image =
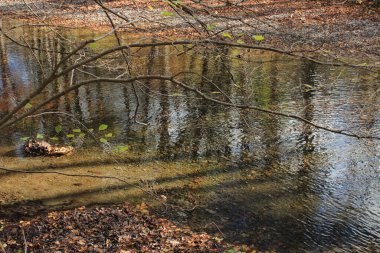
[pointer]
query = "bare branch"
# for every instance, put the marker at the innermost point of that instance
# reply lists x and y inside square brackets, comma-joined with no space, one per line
[75,87]
[259,109]
[194,90]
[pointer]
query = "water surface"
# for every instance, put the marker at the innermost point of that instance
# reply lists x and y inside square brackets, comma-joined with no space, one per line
[254,178]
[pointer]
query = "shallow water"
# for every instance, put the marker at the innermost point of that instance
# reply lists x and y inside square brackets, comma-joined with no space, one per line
[258,179]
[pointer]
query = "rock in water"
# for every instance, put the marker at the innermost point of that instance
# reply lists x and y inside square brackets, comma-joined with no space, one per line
[34,147]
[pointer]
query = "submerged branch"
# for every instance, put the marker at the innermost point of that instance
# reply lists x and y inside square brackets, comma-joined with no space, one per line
[86,176]
[147,191]
[63,174]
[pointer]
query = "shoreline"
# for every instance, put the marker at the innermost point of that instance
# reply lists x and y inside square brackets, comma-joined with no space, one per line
[326,29]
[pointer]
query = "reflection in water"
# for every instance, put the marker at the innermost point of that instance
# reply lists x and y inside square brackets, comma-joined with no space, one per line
[278,183]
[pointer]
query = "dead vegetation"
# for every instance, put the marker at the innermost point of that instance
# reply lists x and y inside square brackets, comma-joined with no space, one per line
[106,229]
[328,28]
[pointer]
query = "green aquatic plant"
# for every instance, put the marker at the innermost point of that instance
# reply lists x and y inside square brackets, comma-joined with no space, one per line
[74,133]
[103,127]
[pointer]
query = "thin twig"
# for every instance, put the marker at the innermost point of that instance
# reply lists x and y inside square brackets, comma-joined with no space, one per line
[2,247]
[25,242]
[36,58]
[217,227]
[125,54]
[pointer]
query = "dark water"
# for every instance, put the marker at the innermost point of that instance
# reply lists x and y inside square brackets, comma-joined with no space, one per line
[286,186]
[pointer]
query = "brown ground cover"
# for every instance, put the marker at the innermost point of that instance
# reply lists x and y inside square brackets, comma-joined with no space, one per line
[106,229]
[333,28]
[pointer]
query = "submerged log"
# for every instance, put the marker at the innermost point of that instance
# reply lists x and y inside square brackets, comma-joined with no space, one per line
[34,147]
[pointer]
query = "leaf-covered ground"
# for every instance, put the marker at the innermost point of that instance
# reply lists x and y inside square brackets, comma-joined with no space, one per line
[106,229]
[330,28]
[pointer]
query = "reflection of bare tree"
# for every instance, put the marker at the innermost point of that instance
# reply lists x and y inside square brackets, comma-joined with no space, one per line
[271,126]
[8,98]
[56,74]
[307,136]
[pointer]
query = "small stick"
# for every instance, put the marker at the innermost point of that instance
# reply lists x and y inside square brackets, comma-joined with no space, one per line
[2,247]
[25,242]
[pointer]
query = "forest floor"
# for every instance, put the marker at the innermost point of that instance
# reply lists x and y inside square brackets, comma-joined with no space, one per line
[337,29]
[122,228]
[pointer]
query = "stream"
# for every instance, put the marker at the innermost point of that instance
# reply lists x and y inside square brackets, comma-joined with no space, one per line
[249,177]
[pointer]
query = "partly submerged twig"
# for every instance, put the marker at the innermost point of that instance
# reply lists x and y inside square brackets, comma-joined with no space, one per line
[151,193]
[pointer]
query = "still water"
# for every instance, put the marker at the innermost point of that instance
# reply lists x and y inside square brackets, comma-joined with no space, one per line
[253,178]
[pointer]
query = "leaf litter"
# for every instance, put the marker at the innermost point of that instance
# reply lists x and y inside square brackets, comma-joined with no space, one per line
[117,228]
